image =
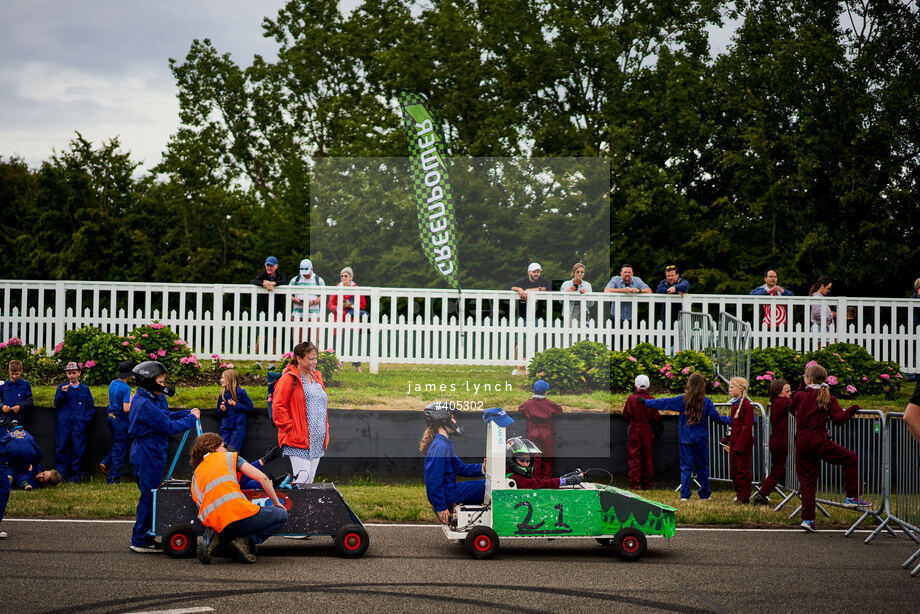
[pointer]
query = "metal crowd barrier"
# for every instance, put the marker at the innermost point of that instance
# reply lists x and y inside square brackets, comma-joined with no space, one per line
[697,331]
[719,459]
[865,435]
[903,497]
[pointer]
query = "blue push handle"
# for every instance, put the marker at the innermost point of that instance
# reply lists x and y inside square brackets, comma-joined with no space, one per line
[172,467]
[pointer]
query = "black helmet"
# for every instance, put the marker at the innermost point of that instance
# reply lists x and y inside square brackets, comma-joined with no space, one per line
[440,414]
[516,448]
[146,373]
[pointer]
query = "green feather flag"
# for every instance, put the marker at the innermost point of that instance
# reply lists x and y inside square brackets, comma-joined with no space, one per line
[428,163]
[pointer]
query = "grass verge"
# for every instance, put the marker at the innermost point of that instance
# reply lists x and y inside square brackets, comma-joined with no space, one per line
[402,503]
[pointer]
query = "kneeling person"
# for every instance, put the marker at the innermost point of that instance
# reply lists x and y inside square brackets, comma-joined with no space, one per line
[520,459]
[228,516]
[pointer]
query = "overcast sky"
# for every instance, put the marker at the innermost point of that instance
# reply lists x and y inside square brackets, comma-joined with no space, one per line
[101,67]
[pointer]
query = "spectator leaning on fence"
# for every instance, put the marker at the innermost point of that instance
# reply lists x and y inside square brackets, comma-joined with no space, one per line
[672,283]
[771,288]
[307,277]
[822,316]
[577,285]
[533,282]
[268,279]
[626,283]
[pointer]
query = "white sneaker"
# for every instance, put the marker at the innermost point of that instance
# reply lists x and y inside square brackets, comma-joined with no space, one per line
[4,535]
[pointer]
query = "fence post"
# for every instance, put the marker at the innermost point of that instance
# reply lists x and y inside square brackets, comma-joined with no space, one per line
[374,329]
[60,305]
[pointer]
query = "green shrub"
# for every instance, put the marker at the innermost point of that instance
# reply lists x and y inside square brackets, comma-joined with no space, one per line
[685,363]
[561,369]
[327,363]
[597,361]
[623,371]
[768,364]
[158,342]
[650,360]
[95,351]
[852,371]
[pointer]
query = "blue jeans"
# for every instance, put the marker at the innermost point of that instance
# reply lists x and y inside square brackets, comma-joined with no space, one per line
[260,525]
[694,457]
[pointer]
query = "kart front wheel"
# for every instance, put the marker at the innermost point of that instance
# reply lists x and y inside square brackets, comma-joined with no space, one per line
[630,544]
[352,541]
[481,542]
[180,542]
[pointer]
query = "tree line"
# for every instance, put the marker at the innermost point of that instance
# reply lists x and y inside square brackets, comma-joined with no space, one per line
[797,149]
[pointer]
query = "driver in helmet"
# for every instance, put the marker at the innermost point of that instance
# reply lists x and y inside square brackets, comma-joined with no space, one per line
[442,465]
[520,459]
[150,423]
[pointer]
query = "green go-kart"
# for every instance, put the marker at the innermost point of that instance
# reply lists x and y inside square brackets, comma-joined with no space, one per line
[612,516]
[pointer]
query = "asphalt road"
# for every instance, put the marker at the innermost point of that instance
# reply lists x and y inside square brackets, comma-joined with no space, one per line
[72,566]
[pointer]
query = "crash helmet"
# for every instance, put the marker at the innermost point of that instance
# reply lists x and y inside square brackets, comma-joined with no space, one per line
[440,414]
[518,448]
[145,375]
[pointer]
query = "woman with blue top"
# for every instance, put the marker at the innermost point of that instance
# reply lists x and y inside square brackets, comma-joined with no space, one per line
[299,410]
[694,408]
[233,409]
[442,465]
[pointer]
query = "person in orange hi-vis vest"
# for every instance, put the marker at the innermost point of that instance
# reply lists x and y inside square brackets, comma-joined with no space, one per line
[230,518]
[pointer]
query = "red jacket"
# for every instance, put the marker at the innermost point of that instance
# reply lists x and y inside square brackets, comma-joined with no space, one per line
[779,423]
[539,414]
[742,439]
[637,413]
[809,418]
[289,409]
[333,303]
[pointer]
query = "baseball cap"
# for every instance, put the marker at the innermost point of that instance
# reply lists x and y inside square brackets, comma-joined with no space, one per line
[540,387]
[497,415]
[534,266]
[306,265]
[642,382]
[125,369]
[72,366]
[271,261]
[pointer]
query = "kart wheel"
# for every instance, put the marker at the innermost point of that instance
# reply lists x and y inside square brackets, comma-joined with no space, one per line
[352,541]
[180,542]
[604,541]
[630,544]
[481,542]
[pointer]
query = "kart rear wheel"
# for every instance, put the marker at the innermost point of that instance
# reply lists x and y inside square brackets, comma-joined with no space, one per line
[630,544]
[481,542]
[352,541]
[180,542]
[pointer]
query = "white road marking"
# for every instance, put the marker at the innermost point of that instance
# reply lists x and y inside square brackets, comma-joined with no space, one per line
[180,611]
[435,526]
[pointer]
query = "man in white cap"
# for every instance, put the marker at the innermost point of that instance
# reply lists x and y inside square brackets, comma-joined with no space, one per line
[533,282]
[641,437]
[307,277]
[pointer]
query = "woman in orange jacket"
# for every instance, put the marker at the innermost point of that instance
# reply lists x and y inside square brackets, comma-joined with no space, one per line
[229,517]
[299,410]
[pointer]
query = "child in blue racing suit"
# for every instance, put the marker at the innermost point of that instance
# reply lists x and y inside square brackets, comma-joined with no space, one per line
[442,465]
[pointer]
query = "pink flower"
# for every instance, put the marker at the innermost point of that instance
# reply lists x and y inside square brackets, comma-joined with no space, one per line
[180,342]
[215,356]
[631,358]
[811,363]
[865,379]
[851,388]
[330,350]
[183,361]
[831,380]
[898,375]
[156,326]
[59,347]
[717,384]
[80,364]
[90,364]
[161,352]
[884,376]
[137,348]
[14,341]
[670,375]
[124,343]
[145,335]
[667,365]
[759,378]
[770,372]
[153,356]
[2,345]
[768,377]
[685,370]
[288,355]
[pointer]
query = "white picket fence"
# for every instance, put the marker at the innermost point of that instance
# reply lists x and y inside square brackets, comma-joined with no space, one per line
[414,325]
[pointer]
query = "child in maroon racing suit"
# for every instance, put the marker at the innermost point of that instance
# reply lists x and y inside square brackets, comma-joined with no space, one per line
[519,464]
[539,412]
[812,407]
[741,440]
[641,437]
[780,402]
